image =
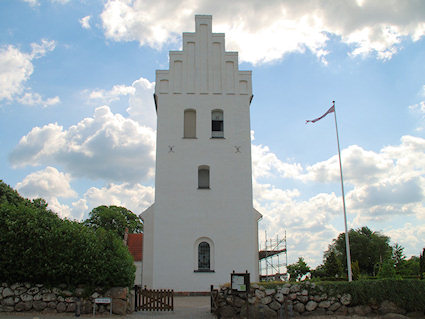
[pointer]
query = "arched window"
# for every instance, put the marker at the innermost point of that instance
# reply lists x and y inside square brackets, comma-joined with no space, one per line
[217,124]
[203,176]
[204,256]
[189,124]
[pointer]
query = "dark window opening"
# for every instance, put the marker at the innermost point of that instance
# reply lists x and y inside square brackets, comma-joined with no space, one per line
[204,256]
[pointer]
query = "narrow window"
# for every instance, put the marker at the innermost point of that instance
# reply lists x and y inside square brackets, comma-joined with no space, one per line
[217,125]
[204,256]
[189,124]
[203,176]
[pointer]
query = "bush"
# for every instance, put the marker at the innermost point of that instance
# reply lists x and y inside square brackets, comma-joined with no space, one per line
[36,246]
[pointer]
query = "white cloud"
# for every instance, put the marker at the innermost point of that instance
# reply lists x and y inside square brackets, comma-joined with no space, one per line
[40,50]
[48,184]
[135,197]
[106,146]
[409,236]
[141,104]
[266,164]
[264,31]
[35,99]
[85,22]
[140,98]
[112,95]
[383,186]
[15,70]
[359,165]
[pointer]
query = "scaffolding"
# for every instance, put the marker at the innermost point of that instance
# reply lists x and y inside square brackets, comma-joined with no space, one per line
[273,259]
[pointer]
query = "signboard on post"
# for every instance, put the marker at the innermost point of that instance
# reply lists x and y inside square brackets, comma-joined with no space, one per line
[102,301]
[240,281]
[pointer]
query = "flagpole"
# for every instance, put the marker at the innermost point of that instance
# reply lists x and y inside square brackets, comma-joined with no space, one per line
[347,241]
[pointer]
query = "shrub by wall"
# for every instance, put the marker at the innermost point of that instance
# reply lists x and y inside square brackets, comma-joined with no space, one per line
[36,246]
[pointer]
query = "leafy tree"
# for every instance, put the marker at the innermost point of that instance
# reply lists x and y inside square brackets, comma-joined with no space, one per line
[114,218]
[36,246]
[299,268]
[409,267]
[369,248]
[422,264]
[355,270]
[319,271]
[398,255]
[387,270]
[332,265]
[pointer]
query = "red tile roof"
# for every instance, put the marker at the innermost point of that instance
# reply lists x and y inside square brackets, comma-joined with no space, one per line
[135,246]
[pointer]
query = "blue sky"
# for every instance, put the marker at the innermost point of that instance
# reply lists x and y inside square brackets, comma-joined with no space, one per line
[77,119]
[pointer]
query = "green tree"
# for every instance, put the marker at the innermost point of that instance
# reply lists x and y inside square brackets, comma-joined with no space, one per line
[387,269]
[422,264]
[298,269]
[355,270]
[409,267]
[332,265]
[398,255]
[37,246]
[319,271]
[369,248]
[114,218]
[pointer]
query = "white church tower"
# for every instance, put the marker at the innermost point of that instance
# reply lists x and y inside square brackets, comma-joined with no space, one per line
[202,225]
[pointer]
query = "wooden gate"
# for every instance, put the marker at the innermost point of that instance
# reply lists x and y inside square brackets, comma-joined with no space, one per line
[153,300]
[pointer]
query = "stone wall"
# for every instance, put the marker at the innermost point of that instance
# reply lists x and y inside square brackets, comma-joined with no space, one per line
[27,297]
[295,300]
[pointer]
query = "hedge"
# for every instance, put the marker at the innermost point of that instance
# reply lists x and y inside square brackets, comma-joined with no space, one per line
[36,246]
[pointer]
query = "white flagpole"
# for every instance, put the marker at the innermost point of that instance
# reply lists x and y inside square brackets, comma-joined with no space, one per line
[347,241]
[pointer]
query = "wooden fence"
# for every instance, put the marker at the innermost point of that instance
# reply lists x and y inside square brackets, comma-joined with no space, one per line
[154,300]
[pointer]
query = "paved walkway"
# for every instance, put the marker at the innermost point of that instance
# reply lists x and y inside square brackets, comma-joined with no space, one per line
[184,308]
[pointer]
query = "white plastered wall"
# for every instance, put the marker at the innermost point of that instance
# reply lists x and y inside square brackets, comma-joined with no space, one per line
[202,77]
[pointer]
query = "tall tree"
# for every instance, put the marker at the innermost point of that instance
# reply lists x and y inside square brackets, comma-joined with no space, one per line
[299,268]
[422,264]
[369,248]
[398,255]
[114,218]
[332,265]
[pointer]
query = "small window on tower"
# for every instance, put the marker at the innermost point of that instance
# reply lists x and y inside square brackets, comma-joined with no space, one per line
[204,177]
[189,124]
[217,124]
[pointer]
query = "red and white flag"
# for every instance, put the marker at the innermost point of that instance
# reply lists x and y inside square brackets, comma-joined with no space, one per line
[331,110]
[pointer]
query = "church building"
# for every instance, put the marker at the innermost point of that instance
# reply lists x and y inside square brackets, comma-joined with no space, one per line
[202,225]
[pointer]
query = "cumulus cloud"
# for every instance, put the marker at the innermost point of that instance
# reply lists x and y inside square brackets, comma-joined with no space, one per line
[382,185]
[112,95]
[264,31]
[409,236]
[48,184]
[141,104]
[140,98]
[35,99]
[266,163]
[135,197]
[106,146]
[85,22]
[16,69]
